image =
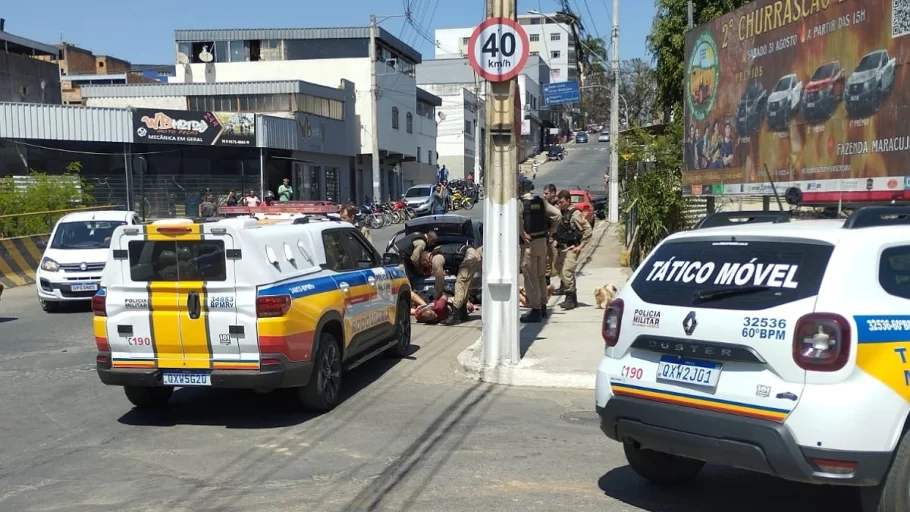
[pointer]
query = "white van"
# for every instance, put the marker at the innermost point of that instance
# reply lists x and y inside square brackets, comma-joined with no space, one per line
[74,257]
[239,304]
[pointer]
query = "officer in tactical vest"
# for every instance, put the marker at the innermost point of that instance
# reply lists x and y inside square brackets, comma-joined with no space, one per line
[470,265]
[538,220]
[572,234]
[418,260]
[549,193]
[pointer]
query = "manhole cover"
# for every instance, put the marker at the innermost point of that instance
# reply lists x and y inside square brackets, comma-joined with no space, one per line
[581,417]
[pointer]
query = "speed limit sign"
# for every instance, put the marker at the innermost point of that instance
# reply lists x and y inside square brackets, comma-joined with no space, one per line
[498,49]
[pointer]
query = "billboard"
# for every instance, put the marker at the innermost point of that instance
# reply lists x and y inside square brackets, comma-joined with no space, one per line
[816,90]
[196,128]
[561,93]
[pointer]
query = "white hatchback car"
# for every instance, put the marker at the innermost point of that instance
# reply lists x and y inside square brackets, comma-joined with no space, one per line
[773,346]
[73,260]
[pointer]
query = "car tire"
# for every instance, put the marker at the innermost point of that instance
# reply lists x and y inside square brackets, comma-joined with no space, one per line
[323,392]
[662,469]
[893,493]
[148,397]
[402,331]
[49,306]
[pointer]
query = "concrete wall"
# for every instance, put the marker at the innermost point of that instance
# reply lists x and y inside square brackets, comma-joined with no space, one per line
[77,61]
[20,80]
[163,102]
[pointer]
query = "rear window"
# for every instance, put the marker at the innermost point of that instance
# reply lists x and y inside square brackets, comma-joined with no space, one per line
[577,198]
[750,275]
[193,260]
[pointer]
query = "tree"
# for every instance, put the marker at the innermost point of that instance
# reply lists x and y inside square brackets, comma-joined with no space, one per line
[667,42]
[594,50]
[638,87]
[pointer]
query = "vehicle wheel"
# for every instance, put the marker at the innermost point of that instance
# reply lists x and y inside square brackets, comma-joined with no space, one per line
[386,219]
[49,306]
[148,398]
[877,103]
[376,221]
[661,468]
[396,217]
[893,493]
[468,204]
[402,330]
[323,391]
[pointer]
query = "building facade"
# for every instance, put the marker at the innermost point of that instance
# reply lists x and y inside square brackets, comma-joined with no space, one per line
[28,70]
[80,67]
[550,40]
[324,56]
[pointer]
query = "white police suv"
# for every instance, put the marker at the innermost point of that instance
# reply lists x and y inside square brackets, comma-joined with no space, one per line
[774,346]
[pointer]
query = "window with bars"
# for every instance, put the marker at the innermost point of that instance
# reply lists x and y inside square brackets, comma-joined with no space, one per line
[409,122]
[395,118]
[534,37]
[555,36]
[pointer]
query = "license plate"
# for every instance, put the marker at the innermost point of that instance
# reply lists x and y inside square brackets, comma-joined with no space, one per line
[810,104]
[772,114]
[854,98]
[688,371]
[88,287]
[186,378]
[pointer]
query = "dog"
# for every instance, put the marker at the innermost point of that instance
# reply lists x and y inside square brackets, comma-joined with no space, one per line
[604,295]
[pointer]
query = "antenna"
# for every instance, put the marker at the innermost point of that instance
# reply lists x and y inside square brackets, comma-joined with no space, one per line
[773,188]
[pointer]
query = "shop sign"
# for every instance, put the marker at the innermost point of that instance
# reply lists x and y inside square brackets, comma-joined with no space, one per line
[195,128]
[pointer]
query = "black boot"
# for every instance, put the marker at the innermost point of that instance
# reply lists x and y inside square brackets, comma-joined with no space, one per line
[531,317]
[570,303]
[560,291]
[463,313]
[544,313]
[453,319]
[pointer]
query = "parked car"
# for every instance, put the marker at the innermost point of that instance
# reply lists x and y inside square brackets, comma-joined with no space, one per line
[418,198]
[604,137]
[823,92]
[869,83]
[599,205]
[581,138]
[582,200]
[751,108]
[783,103]
[555,153]
[451,229]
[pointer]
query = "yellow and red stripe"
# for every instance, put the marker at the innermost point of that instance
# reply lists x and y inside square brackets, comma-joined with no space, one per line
[133,363]
[704,403]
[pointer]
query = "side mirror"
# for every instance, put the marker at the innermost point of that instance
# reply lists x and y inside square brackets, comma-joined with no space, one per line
[390,259]
[42,244]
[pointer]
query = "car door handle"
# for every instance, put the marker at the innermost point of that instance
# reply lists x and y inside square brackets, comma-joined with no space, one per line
[345,287]
[371,280]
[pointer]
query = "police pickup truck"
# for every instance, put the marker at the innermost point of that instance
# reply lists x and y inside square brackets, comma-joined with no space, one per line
[241,304]
[454,232]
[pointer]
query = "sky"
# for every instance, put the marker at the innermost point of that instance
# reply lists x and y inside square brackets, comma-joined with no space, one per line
[146,35]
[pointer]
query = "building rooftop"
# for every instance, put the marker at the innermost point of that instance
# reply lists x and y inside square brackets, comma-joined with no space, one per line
[211,89]
[20,45]
[230,34]
[428,97]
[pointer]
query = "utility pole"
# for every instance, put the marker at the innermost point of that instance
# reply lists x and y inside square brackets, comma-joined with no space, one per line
[691,10]
[477,130]
[614,121]
[500,215]
[374,112]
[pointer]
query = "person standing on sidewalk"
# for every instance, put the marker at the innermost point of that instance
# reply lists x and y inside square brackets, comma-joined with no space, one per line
[572,235]
[538,220]
[549,193]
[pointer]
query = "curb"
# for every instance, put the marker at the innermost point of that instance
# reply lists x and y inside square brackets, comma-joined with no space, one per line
[523,374]
[19,259]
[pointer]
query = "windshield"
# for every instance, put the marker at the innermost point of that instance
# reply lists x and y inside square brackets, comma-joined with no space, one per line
[869,62]
[824,72]
[417,192]
[784,84]
[716,272]
[85,235]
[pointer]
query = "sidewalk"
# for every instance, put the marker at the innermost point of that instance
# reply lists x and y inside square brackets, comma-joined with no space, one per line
[564,350]
[525,167]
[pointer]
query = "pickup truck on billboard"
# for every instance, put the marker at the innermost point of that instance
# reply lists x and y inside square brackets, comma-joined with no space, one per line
[812,89]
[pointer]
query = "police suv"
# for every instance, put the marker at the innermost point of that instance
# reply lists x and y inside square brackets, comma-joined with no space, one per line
[239,304]
[774,346]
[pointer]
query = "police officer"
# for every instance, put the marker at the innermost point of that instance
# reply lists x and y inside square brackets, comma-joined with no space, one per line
[470,265]
[549,193]
[415,254]
[572,234]
[537,221]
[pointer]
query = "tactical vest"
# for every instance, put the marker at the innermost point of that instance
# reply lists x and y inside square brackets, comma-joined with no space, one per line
[567,233]
[453,254]
[405,246]
[535,217]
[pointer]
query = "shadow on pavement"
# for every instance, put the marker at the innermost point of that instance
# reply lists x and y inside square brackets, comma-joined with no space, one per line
[719,489]
[243,409]
[4,319]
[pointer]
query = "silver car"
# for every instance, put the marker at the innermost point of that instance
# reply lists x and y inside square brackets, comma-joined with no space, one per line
[419,198]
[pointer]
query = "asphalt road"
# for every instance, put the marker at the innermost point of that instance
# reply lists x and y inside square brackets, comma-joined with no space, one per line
[412,434]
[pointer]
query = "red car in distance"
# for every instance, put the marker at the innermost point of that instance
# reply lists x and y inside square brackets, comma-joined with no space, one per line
[824,92]
[582,200]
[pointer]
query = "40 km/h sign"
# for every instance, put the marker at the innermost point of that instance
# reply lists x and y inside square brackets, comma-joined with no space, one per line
[498,49]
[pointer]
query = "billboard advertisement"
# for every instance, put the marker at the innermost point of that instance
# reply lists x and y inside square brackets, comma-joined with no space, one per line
[816,90]
[196,128]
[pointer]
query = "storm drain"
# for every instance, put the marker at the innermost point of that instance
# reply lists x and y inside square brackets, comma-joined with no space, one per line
[581,417]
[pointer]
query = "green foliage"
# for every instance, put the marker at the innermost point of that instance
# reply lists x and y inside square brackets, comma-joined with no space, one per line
[651,181]
[39,192]
[667,42]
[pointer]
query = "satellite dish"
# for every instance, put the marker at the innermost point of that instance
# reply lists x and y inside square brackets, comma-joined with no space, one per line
[182,59]
[442,116]
[205,55]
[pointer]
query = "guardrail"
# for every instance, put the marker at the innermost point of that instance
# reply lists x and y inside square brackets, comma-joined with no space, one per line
[19,259]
